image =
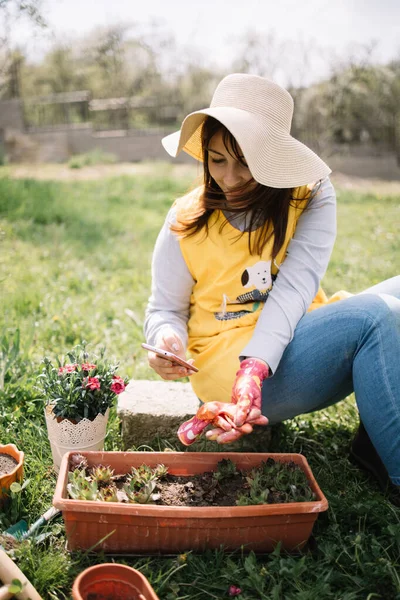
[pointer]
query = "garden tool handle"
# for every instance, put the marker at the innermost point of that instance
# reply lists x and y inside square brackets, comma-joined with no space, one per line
[10,571]
[48,515]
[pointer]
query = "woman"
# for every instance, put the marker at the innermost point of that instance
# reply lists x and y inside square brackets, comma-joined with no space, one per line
[236,274]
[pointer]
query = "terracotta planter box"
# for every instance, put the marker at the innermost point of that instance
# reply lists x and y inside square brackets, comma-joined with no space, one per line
[16,474]
[110,580]
[154,529]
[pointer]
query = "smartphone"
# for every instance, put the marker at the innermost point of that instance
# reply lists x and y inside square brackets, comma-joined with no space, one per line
[170,356]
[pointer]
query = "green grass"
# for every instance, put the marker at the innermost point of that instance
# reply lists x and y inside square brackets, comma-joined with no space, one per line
[94,157]
[73,257]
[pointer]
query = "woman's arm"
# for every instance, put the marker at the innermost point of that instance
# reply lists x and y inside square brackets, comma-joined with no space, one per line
[298,279]
[172,283]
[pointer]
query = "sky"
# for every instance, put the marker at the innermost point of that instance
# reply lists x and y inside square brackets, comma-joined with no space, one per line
[212,28]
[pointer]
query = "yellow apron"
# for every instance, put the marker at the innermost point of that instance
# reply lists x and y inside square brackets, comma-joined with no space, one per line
[230,290]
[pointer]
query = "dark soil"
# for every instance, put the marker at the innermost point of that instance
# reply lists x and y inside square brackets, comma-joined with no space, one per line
[112,597]
[199,490]
[8,542]
[205,490]
[269,483]
[7,463]
[112,590]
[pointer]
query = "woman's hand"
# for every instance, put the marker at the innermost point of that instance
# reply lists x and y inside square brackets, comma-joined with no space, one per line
[170,341]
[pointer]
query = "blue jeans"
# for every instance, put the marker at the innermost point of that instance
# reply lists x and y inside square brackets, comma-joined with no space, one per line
[349,346]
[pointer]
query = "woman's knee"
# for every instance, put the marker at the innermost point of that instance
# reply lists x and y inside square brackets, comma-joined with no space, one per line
[378,310]
[381,306]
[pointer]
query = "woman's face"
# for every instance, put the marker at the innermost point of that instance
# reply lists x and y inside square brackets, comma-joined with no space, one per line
[229,173]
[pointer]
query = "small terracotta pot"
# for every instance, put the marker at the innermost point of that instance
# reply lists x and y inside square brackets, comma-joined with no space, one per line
[118,527]
[111,581]
[16,474]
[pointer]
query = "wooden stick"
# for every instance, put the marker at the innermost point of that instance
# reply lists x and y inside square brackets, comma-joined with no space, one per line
[10,571]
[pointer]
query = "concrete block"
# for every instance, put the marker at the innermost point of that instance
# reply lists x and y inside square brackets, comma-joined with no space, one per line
[152,411]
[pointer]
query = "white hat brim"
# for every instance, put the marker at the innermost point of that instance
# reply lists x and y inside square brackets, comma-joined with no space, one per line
[275,158]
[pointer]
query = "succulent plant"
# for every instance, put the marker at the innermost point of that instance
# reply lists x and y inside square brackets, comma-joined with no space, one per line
[161,471]
[141,475]
[108,493]
[225,470]
[77,461]
[143,495]
[102,474]
[274,482]
[100,483]
[80,487]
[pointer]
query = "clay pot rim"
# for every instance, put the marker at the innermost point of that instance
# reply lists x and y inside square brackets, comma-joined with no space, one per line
[116,568]
[19,457]
[64,503]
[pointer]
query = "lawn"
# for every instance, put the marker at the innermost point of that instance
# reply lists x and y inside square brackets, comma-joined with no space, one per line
[75,264]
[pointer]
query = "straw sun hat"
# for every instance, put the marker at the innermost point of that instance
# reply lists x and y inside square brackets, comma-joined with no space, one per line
[258,113]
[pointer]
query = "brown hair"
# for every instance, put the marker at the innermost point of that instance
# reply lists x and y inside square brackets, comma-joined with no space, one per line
[268,207]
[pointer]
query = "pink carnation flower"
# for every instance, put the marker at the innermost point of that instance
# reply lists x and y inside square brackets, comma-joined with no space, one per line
[118,385]
[92,383]
[234,590]
[88,366]
[67,369]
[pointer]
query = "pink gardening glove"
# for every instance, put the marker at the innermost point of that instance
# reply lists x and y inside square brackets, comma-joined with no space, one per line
[219,414]
[235,419]
[224,436]
[246,398]
[246,391]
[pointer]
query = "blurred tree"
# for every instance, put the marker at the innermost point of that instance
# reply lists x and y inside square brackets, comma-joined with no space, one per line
[144,75]
[312,118]
[106,57]
[365,102]
[259,53]
[11,59]
[60,71]
[119,62]
[195,87]
[393,106]
[29,8]
[12,75]
[358,104]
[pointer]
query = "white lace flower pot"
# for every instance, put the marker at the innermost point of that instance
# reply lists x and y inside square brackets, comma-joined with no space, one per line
[65,436]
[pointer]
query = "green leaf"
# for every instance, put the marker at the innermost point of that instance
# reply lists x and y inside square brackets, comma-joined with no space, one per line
[15,587]
[15,487]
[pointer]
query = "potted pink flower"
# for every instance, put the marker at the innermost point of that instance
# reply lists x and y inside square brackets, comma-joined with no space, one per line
[78,392]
